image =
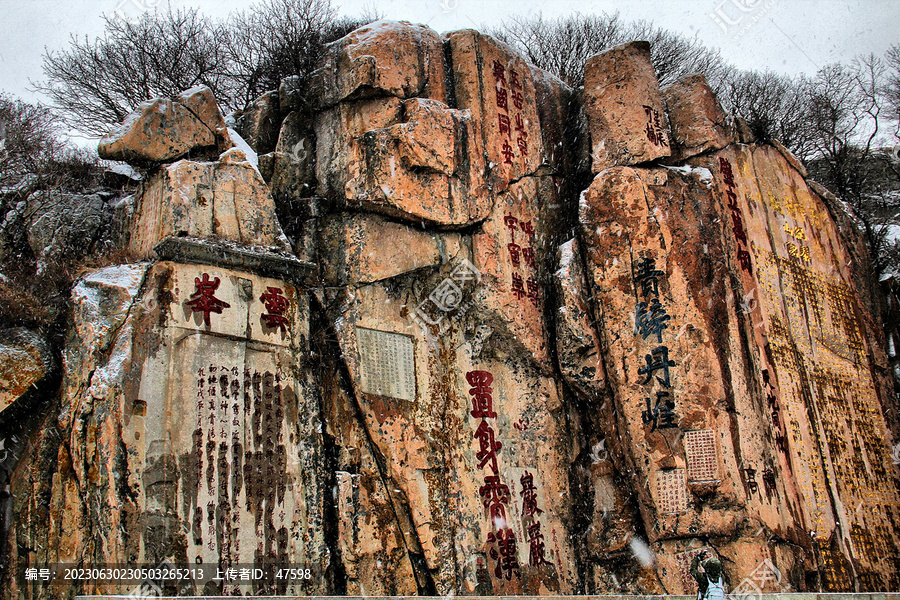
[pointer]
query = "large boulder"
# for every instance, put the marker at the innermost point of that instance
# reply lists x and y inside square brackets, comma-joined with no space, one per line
[226,199]
[157,131]
[625,112]
[382,58]
[698,122]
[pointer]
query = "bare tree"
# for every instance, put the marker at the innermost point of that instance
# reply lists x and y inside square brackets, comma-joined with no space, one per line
[851,121]
[279,38]
[563,45]
[96,84]
[28,138]
[776,107]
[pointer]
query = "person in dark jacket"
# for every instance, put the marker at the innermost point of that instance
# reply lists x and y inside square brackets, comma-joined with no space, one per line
[711,580]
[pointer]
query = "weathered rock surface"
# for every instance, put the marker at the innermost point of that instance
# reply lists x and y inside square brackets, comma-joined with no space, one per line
[408,160]
[25,359]
[60,224]
[382,58]
[226,199]
[368,248]
[490,382]
[498,87]
[259,123]
[698,122]
[158,131]
[625,111]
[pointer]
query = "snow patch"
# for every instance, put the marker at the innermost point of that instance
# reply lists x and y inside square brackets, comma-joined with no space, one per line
[242,145]
[701,173]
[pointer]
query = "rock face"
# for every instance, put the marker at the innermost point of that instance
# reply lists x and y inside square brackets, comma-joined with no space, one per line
[25,360]
[162,130]
[625,112]
[227,199]
[488,383]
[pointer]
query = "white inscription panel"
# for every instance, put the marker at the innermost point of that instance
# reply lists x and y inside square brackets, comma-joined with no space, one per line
[387,363]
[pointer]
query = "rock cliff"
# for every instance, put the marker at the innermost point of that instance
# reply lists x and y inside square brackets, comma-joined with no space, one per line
[462,330]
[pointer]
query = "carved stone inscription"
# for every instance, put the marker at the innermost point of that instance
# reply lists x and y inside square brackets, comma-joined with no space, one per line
[700,448]
[387,363]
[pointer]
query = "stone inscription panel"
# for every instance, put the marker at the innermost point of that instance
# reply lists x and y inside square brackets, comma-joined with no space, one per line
[671,491]
[387,363]
[700,450]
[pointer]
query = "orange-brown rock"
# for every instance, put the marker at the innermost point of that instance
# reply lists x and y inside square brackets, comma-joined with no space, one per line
[577,343]
[497,86]
[625,112]
[382,58]
[366,248]
[25,360]
[226,199]
[697,120]
[417,168]
[157,131]
[201,102]
[491,382]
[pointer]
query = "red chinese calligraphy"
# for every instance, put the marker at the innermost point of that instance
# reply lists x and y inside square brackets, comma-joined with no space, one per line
[507,152]
[488,447]
[276,304]
[529,496]
[499,71]
[506,553]
[482,403]
[518,286]
[514,252]
[504,123]
[203,300]
[494,496]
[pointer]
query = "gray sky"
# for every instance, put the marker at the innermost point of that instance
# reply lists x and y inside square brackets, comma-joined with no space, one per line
[789,36]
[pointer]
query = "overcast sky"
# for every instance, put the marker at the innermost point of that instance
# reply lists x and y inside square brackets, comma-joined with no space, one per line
[789,36]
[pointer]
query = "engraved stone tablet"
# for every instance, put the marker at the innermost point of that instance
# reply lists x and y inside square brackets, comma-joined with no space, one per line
[671,490]
[387,364]
[700,448]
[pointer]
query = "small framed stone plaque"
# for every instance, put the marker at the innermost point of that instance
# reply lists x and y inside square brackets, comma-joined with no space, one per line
[671,491]
[387,363]
[700,451]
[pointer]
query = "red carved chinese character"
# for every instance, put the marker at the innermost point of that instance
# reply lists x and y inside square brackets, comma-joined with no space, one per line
[523,145]
[495,495]
[518,99]
[504,122]
[744,259]
[518,287]
[529,496]
[488,447]
[536,542]
[651,134]
[727,173]
[204,300]
[514,251]
[732,199]
[528,229]
[502,101]
[507,152]
[499,71]
[738,227]
[520,125]
[482,403]
[514,79]
[276,304]
[511,222]
[508,562]
[528,256]
[534,291]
